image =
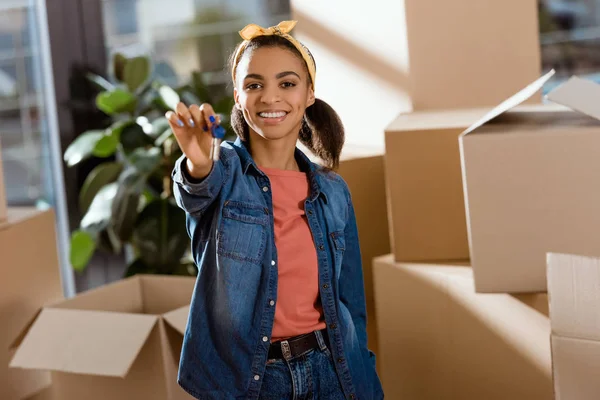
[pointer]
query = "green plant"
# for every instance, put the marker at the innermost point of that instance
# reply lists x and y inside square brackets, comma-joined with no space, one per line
[126,201]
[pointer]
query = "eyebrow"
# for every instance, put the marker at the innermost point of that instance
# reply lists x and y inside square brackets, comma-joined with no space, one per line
[278,76]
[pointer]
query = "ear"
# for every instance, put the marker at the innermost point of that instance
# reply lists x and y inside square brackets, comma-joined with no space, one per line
[236,97]
[311,97]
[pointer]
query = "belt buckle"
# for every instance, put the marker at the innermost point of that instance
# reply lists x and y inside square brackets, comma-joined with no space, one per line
[285,350]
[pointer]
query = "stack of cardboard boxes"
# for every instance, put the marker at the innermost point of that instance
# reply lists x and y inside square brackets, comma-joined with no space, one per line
[477,199]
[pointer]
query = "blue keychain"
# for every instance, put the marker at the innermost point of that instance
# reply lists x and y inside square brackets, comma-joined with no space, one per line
[218,133]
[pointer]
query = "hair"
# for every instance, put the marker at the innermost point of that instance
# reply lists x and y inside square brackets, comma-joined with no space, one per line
[322,131]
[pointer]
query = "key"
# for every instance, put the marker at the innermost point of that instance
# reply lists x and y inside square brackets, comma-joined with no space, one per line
[218,133]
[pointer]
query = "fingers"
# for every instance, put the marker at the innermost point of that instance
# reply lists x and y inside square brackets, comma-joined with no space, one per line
[197,117]
[175,122]
[210,118]
[184,115]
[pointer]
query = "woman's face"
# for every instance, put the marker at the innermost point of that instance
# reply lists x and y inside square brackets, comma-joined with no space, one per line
[273,91]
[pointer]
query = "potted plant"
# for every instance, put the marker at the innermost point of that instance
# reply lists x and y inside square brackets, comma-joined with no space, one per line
[126,200]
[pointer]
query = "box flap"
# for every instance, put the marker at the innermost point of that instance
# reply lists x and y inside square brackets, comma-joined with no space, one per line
[84,342]
[512,102]
[178,318]
[574,295]
[579,95]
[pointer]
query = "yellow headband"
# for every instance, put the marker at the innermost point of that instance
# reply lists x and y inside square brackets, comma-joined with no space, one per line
[252,31]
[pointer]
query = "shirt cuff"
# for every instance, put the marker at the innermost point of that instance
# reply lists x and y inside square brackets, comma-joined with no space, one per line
[211,183]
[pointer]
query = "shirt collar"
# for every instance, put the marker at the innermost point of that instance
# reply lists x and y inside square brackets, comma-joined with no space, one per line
[312,170]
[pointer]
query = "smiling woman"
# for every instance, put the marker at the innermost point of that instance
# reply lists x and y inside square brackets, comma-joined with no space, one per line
[279,306]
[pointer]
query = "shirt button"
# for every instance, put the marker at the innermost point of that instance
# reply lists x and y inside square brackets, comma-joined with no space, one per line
[273,262]
[256,377]
[265,338]
[340,360]
[321,247]
[325,286]
[352,396]
[265,189]
[309,212]
[333,326]
[272,303]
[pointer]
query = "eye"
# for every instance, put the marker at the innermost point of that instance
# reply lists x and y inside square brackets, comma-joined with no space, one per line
[288,84]
[253,86]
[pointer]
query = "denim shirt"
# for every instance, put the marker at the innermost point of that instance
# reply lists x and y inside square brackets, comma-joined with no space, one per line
[230,222]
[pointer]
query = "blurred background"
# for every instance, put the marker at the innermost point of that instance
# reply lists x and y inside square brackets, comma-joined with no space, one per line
[47,48]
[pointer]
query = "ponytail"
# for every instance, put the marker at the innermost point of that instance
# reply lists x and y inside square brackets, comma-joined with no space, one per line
[322,131]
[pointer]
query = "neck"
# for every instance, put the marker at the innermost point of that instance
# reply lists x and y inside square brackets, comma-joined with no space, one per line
[276,154]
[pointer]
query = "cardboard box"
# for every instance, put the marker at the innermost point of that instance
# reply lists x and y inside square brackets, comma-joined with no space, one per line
[363,172]
[424,184]
[30,278]
[3,202]
[530,181]
[438,339]
[120,341]
[416,55]
[573,283]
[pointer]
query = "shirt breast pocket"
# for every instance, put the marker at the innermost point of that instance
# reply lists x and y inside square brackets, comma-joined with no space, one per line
[242,235]
[339,246]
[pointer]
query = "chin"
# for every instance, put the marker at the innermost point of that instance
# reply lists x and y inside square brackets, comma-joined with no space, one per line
[274,132]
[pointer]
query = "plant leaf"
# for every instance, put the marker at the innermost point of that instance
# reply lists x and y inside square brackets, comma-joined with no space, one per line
[162,138]
[125,205]
[136,72]
[98,215]
[159,125]
[100,176]
[146,160]
[133,136]
[119,62]
[160,235]
[83,246]
[224,106]
[82,147]
[169,97]
[116,101]
[100,82]
[138,267]
[107,145]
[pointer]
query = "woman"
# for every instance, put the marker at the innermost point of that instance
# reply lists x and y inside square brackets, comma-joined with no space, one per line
[278,311]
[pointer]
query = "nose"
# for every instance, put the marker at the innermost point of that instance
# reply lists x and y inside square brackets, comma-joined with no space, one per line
[270,95]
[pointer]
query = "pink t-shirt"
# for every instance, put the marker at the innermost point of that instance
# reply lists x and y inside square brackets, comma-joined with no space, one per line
[298,308]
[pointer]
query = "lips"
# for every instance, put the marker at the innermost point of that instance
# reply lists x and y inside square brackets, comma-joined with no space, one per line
[274,117]
[272,114]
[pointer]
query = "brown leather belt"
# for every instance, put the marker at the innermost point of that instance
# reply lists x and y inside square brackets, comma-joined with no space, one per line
[296,345]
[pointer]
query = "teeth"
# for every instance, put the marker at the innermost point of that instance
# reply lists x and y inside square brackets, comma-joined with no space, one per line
[272,114]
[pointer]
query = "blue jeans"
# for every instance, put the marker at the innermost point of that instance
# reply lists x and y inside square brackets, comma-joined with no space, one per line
[308,376]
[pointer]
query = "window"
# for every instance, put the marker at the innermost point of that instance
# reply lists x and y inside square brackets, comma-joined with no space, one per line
[28,122]
[187,36]
[570,38]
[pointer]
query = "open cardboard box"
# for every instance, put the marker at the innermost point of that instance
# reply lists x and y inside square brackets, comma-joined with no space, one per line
[120,341]
[531,182]
[573,283]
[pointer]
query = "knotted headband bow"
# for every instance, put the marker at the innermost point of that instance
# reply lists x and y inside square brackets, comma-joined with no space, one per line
[283,29]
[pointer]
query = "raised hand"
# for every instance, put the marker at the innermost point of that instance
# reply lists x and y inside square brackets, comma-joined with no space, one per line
[192,128]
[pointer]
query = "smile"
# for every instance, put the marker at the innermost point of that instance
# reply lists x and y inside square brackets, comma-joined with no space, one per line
[276,114]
